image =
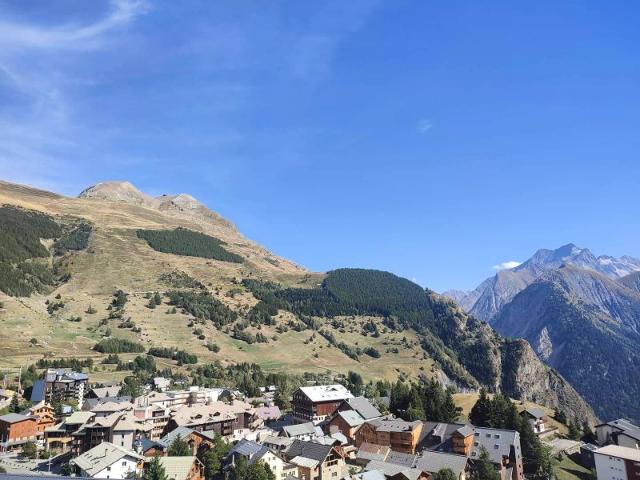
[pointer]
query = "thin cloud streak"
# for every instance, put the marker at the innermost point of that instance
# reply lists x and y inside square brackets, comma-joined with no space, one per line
[15,36]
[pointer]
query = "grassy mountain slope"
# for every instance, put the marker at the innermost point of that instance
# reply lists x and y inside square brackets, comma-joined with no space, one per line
[284,317]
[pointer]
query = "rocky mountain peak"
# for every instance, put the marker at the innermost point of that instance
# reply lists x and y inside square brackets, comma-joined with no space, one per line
[181,205]
[118,191]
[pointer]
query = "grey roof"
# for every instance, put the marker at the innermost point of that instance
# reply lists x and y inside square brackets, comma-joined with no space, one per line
[394,425]
[37,391]
[389,469]
[352,418]
[315,451]
[399,458]
[364,407]
[13,418]
[246,448]
[627,427]
[497,443]
[182,432]
[147,444]
[432,462]
[534,412]
[301,429]
[101,456]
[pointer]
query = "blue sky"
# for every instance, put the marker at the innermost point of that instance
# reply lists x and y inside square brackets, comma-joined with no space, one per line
[433,139]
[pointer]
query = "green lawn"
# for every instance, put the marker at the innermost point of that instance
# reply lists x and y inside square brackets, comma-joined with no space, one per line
[567,469]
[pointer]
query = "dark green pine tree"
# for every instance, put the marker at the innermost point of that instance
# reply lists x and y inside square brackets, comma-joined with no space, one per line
[179,448]
[154,470]
[484,468]
[481,412]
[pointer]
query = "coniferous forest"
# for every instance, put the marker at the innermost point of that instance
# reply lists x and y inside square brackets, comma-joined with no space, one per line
[182,241]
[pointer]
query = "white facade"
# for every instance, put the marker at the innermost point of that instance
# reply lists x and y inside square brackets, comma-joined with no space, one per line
[609,467]
[123,468]
[279,467]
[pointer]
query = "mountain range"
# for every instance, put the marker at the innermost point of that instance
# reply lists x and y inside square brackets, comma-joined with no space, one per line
[581,314]
[228,299]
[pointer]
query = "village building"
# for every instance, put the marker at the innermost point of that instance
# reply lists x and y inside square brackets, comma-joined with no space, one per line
[44,415]
[399,435]
[302,431]
[362,406]
[118,428]
[614,462]
[108,461]
[60,385]
[218,417]
[316,461]
[315,404]
[61,436]
[101,393]
[618,432]
[503,447]
[16,430]
[153,419]
[254,452]
[183,468]
[537,419]
[347,422]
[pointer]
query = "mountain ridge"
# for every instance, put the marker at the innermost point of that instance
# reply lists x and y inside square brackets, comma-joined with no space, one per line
[436,338]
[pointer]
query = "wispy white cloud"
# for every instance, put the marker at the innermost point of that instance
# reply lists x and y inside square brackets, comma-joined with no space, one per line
[16,35]
[508,265]
[37,128]
[425,125]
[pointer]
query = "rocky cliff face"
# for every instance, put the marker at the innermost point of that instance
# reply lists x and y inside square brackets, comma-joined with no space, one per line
[598,354]
[509,366]
[525,377]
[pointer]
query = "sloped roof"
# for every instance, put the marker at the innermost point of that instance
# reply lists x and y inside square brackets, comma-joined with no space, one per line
[372,451]
[351,417]
[103,392]
[37,391]
[534,412]
[178,468]
[102,456]
[14,418]
[246,448]
[78,418]
[268,413]
[497,442]
[395,425]
[182,432]
[627,427]
[326,393]
[399,458]
[301,429]
[388,469]
[632,454]
[305,462]
[312,450]
[364,407]
[432,462]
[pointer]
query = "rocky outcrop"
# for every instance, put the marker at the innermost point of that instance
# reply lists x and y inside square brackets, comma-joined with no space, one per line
[181,205]
[598,354]
[525,377]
